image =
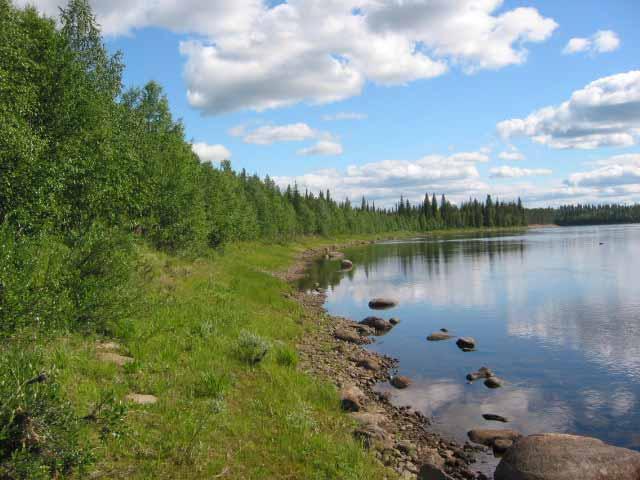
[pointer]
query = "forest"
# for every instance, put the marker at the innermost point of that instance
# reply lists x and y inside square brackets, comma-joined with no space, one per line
[89,170]
[567,215]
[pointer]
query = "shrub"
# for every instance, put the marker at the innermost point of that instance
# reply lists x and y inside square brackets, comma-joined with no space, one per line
[211,385]
[251,348]
[39,431]
[286,356]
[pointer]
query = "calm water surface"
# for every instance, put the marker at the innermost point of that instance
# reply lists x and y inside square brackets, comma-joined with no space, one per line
[555,312]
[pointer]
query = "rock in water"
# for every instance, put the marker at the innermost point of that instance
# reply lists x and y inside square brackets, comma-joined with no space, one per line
[438,336]
[494,417]
[487,436]
[351,398]
[467,343]
[378,323]
[346,264]
[382,303]
[555,456]
[501,445]
[394,321]
[483,372]
[400,381]
[493,382]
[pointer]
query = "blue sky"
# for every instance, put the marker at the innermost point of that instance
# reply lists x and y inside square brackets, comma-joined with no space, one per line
[425,85]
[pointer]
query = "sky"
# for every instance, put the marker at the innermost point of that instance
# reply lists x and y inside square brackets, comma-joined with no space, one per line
[382,98]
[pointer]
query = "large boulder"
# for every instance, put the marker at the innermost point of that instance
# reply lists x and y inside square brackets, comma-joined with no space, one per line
[382,303]
[400,381]
[349,335]
[466,343]
[555,456]
[380,324]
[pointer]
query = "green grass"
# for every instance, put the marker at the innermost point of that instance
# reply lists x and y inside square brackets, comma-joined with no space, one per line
[217,414]
[223,410]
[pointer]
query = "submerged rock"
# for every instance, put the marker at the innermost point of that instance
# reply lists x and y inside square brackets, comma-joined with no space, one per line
[555,456]
[382,303]
[487,436]
[438,336]
[400,381]
[346,264]
[483,372]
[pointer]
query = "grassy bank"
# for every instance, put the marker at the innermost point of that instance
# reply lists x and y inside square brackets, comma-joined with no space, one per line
[192,338]
[195,337]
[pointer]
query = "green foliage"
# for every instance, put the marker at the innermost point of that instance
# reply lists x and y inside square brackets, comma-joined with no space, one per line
[286,356]
[39,431]
[251,348]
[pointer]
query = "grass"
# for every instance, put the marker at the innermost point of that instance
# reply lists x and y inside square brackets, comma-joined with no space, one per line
[214,339]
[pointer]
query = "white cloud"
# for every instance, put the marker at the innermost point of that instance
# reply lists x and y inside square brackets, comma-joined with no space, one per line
[604,113]
[616,171]
[268,134]
[606,41]
[323,147]
[384,181]
[602,41]
[511,154]
[251,54]
[344,116]
[211,153]
[515,172]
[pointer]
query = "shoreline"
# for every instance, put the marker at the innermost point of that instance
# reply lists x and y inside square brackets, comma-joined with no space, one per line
[400,436]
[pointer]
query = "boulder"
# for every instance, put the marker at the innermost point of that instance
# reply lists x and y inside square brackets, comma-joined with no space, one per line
[487,436]
[346,264]
[380,324]
[348,335]
[438,336]
[382,303]
[493,382]
[400,381]
[111,357]
[373,436]
[555,456]
[431,472]
[494,417]
[394,321]
[369,363]
[351,398]
[483,372]
[501,445]
[466,343]
[444,330]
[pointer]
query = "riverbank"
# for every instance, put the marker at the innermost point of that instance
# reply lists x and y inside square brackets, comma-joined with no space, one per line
[178,390]
[400,437]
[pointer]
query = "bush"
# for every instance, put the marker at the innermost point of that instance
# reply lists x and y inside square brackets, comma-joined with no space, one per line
[286,356]
[39,431]
[211,385]
[251,348]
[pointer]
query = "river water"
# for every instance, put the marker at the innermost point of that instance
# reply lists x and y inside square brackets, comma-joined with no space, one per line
[555,313]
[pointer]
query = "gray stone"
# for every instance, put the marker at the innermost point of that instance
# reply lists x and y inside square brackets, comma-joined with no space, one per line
[466,343]
[141,399]
[493,382]
[382,303]
[487,436]
[351,398]
[400,381]
[438,336]
[555,456]
[379,324]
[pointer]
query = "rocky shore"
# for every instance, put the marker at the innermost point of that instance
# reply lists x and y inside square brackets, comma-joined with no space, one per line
[400,437]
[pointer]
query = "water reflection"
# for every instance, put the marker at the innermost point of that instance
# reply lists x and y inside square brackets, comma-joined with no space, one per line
[556,312]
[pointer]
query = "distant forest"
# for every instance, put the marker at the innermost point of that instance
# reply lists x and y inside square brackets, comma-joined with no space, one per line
[567,215]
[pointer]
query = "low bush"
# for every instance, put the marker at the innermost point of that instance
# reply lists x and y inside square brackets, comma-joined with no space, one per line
[251,348]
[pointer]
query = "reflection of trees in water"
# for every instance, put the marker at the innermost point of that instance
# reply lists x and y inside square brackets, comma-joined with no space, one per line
[432,256]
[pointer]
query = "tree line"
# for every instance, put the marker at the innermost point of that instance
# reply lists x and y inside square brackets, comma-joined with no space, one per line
[567,215]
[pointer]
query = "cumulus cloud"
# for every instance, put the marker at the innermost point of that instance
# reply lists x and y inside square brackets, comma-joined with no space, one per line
[515,172]
[211,153]
[254,54]
[604,113]
[616,171]
[323,147]
[327,144]
[511,154]
[602,41]
[384,181]
[268,134]
[344,116]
